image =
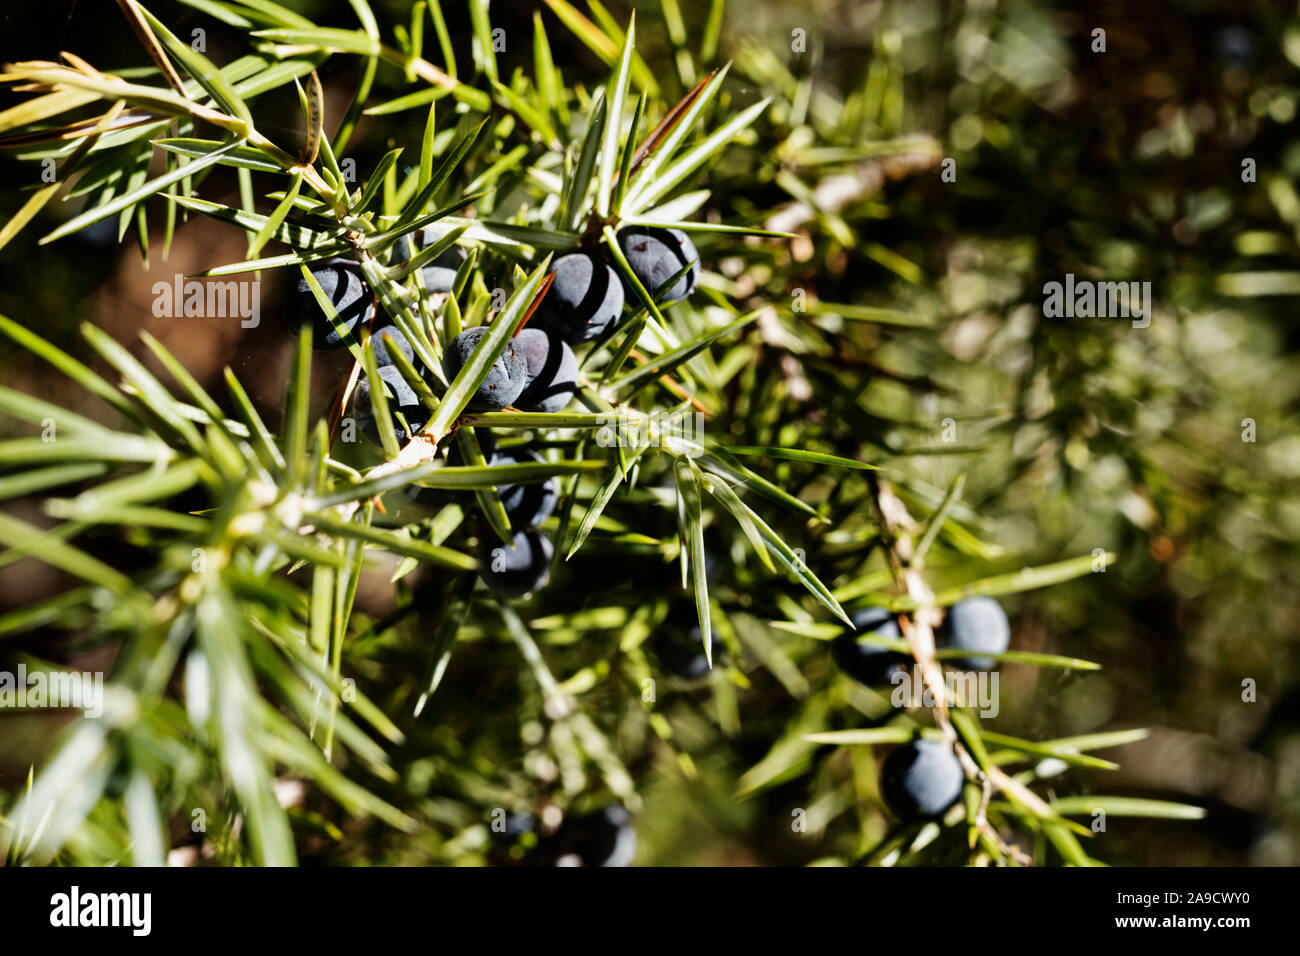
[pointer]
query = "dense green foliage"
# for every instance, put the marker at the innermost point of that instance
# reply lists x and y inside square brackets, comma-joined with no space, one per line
[888,419]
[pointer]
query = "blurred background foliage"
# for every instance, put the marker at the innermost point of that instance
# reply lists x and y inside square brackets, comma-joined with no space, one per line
[908,312]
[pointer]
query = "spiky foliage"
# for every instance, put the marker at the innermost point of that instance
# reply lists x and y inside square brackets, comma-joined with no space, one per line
[242,662]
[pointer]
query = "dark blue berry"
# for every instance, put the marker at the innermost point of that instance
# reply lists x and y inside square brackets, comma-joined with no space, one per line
[1235,46]
[440,274]
[527,505]
[977,624]
[345,288]
[379,342]
[552,371]
[585,298]
[870,663]
[656,255]
[403,399]
[505,379]
[516,569]
[921,779]
[604,838]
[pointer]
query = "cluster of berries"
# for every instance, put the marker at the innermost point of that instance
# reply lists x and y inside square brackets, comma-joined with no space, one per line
[922,778]
[977,625]
[537,372]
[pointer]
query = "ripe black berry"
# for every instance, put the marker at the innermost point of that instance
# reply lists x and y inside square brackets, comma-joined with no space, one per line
[440,274]
[656,255]
[977,624]
[516,569]
[870,663]
[921,779]
[552,371]
[505,379]
[341,281]
[604,838]
[585,298]
[380,344]
[403,399]
[527,505]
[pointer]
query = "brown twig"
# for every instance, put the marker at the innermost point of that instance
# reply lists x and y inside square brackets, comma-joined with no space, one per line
[897,526]
[671,384]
